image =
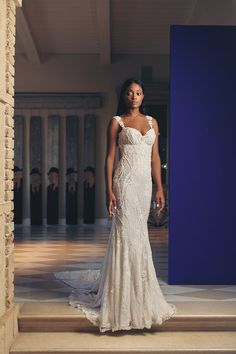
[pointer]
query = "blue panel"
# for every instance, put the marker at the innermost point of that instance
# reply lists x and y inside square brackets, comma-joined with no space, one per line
[202,174]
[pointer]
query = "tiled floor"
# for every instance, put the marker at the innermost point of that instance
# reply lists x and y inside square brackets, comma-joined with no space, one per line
[40,251]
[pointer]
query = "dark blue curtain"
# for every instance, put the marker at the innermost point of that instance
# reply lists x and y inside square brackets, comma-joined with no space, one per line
[202,174]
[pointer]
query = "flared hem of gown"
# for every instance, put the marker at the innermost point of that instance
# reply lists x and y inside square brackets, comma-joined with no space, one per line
[93,313]
[93,317]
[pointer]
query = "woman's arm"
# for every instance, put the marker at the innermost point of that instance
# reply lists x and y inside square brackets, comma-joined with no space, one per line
[112,131]
[156,168]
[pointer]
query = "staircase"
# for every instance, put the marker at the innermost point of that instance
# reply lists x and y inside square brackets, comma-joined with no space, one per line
[56,328]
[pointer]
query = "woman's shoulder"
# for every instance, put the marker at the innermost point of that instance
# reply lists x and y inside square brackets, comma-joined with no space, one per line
[118,119]
[115,118]
[150,118]
[154,119]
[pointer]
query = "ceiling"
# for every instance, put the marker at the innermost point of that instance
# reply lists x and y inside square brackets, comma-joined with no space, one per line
[110,27]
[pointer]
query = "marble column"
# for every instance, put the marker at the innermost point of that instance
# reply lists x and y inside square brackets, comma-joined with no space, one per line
[44,163]
[80,167]
[100,202]
[26,168]
[62,169]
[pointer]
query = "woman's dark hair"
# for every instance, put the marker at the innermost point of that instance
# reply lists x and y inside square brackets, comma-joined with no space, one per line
[122,107]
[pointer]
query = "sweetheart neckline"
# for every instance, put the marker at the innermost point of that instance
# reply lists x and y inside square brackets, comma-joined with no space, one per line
[138,130]
[124,127]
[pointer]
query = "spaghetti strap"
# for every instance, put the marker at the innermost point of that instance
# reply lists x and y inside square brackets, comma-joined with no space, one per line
[149,118]
[119,120]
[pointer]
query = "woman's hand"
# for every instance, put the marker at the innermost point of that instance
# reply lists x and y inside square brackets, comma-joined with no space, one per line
[111,202]
[160,199]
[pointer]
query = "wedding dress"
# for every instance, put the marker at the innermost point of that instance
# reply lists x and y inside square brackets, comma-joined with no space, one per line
[124,293]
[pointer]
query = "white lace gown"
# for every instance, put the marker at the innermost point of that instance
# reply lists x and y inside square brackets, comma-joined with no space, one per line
[124,293]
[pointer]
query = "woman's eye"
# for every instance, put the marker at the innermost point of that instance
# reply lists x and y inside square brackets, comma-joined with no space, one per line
[131,93]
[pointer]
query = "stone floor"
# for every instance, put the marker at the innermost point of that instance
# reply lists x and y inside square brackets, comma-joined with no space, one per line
[40,251]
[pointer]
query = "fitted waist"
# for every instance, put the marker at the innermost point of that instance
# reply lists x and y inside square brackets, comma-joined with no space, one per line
[135,165]
[142,150]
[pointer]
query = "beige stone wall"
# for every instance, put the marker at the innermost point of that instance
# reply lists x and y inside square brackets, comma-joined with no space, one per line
[8,309]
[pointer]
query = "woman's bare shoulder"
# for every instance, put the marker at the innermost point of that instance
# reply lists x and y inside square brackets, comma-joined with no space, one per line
[114,124]
[115,121]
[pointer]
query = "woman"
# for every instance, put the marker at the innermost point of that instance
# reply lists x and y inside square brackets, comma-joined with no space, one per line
[125,293]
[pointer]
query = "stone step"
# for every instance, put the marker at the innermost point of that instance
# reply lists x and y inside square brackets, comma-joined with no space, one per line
[125,342]
[191,316]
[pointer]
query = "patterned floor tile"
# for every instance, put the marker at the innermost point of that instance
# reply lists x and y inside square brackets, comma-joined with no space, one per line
[40,251]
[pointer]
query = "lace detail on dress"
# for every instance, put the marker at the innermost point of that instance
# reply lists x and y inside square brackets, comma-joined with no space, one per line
[124,292]
[149,118]
[120,121]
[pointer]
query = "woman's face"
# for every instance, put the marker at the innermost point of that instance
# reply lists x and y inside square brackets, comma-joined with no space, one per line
[133,96]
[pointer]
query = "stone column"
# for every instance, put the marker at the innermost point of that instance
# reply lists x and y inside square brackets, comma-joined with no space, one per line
[44,157]
[102,120]
[80,167]
[62,169]
[8,309]
[100,202]
[26,168]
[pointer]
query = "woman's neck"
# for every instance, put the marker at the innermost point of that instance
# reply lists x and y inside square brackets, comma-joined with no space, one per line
[133,112]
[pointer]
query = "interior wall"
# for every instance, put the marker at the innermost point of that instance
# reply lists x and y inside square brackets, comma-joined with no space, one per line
[84,73]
